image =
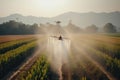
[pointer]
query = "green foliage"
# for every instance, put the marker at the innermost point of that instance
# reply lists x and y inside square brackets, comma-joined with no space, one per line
[93,28]
[106,54]
[112,49]
[38,71]
[13,27]
[112,65]
[13,58]
[4,47]
[109,28]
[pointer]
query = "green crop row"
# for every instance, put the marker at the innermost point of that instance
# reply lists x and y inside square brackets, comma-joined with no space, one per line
[112,65]
[108,49]
[4,47]
[83,66]
[38,71]
[13,58]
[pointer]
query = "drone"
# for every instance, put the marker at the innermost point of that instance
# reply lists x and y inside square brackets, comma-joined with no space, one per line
[59,38]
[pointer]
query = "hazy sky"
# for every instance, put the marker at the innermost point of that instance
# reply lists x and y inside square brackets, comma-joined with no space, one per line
[50,8]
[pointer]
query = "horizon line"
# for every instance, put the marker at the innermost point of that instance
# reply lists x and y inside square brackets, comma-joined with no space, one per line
[59,14]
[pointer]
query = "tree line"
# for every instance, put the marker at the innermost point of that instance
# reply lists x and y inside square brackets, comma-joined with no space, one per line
[107,28]
[13,27]
[17,28]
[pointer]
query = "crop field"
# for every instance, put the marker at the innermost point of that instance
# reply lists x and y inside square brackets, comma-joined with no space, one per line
[13,37]
[78,57]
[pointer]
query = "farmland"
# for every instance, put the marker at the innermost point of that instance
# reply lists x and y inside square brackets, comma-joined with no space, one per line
[11,37]
[81,57]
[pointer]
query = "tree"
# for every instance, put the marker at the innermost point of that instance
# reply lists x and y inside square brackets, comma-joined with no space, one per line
[92,28]
[109,28]
[12,27]
[72,28]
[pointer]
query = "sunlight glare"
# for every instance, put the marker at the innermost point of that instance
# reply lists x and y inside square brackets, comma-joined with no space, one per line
[51,4]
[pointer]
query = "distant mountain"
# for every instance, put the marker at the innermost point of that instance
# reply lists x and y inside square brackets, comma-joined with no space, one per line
[79,19]
[24,19]
[85,19]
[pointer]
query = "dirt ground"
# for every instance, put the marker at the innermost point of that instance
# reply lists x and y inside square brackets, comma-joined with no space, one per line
[6,38]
